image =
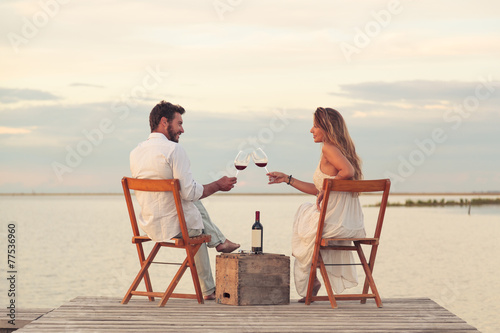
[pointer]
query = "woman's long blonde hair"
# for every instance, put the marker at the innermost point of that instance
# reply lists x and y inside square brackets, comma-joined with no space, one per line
[335,132]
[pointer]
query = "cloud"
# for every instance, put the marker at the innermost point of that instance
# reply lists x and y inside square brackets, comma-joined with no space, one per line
[8,95]
[421,91]
[212,141]
[15,130]
[263,55]
[78,84]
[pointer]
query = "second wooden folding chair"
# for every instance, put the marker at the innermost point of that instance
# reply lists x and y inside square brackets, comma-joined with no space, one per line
[327,244]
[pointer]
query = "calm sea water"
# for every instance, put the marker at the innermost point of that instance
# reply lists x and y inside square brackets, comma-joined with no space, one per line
[69,246]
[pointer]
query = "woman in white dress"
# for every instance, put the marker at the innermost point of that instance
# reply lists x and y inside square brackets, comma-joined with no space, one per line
[344,217]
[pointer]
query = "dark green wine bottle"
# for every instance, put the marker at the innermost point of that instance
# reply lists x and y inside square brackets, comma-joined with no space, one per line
[257,235]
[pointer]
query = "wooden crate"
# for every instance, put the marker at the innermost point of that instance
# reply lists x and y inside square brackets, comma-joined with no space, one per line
[252,279]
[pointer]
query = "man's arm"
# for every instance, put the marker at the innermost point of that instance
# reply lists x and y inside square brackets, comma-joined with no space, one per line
[223,184]
[181,169]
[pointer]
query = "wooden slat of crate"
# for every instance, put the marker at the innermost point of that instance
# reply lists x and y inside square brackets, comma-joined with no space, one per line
[252,279]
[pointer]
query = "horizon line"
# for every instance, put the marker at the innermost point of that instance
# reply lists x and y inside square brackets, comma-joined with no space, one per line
[235,194]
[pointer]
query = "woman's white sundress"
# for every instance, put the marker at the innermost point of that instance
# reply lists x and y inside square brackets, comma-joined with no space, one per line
[344,219]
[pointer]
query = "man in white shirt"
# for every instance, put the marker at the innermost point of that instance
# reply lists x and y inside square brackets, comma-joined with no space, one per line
[161,157]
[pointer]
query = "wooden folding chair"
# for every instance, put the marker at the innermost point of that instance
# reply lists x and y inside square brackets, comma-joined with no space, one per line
[190,244]
[360,186]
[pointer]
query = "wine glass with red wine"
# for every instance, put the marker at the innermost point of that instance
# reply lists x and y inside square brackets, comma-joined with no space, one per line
[260,158]
[241,161]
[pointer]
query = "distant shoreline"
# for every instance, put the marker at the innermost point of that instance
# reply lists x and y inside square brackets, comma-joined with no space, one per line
[261,194]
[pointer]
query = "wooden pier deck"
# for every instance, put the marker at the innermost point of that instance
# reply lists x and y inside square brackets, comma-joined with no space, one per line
[106,314]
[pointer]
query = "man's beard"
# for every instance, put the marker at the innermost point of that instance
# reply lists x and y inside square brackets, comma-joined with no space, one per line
[171,134]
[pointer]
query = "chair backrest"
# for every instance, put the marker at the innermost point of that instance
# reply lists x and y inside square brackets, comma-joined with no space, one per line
[154,185]
[356,186]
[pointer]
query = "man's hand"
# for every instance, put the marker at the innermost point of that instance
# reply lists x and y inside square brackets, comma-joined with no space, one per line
[226,183]
[223,184]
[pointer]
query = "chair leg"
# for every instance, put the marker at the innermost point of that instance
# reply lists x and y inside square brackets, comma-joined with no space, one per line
[312,274]
[368,274]
[173,283]
[149,286]
[365,290]
[142,272]
[147,280]
[180,272]
[371,264]
[310,283]
[194,272]
[326,280]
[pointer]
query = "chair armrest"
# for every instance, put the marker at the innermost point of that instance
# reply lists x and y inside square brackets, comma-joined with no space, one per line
[200,239]
[140,239]
[193,240]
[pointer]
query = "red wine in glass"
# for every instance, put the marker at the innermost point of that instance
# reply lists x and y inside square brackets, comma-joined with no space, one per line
[260,158]
[241,161]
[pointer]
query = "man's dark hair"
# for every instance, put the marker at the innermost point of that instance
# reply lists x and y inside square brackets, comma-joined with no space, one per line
[163,109]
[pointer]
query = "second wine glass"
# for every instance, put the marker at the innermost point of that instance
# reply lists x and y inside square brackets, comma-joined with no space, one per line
[260,158]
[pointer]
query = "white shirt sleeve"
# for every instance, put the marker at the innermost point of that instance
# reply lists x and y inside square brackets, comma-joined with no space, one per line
[181,168]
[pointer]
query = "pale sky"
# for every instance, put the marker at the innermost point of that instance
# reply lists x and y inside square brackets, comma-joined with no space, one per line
[417,82]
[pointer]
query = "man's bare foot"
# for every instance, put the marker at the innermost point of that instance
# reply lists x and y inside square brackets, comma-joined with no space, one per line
[316,287]
[210,297]
[227,247]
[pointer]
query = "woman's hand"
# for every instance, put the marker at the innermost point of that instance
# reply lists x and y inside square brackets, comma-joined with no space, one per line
[277,177]
[319,199]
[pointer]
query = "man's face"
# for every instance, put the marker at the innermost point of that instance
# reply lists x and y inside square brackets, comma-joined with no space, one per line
[174,128]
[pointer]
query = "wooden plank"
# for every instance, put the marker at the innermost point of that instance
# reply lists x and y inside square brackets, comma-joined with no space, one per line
[95,314]
[22,317]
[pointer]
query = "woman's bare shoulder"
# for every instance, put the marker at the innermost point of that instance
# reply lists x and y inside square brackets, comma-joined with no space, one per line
[330,148]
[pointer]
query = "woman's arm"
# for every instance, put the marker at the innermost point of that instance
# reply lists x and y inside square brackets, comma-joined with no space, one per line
[340,164]
[276,177]
[337,165]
